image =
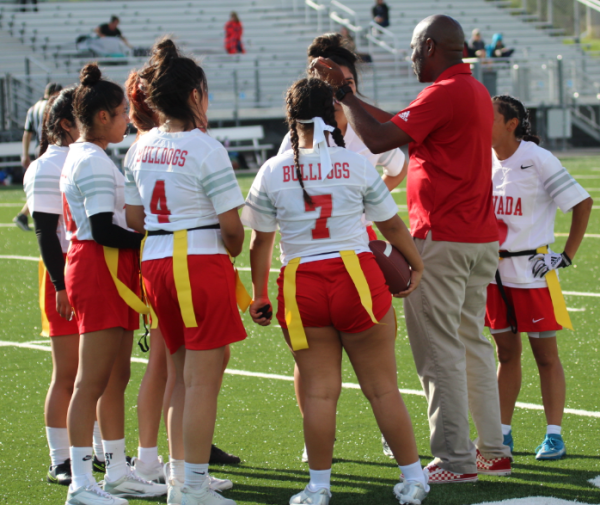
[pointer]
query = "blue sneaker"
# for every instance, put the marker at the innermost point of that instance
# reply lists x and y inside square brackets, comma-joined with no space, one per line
[552,447]
[508,440]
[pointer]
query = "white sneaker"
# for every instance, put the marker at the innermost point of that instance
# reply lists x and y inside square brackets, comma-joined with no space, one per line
[219,484]
[386,448]
[410,492]
[174,496]
[203,496]
[92,495]
[304,455]
[153,472]
[134,486]
[319,497]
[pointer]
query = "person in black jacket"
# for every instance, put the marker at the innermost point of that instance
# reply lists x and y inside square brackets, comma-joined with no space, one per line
[381,13]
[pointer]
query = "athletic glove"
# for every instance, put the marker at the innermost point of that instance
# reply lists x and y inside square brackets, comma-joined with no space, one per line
[543,263]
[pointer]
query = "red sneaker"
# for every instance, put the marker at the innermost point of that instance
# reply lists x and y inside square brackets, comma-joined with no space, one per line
[438,475]
[497,466]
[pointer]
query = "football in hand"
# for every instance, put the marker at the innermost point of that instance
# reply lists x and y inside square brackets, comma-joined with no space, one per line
[393,264]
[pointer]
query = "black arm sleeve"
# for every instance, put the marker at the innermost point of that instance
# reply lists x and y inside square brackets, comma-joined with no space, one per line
[45,229]
[109,234]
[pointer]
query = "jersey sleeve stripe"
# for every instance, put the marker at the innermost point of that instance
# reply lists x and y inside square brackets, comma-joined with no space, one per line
[95,177]
[45,185]
[214,175]
[559,182]
[217,183]
[217,192]
[97,192]
[564,188]
[385,158]
[258,209]
[257,199]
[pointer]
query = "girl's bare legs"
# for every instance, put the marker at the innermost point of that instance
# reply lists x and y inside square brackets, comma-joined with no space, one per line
[65,357]
[552,378]
[372,355]
[508,348]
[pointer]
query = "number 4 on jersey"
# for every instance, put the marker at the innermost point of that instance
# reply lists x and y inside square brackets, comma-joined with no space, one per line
[158,204]
[326,205]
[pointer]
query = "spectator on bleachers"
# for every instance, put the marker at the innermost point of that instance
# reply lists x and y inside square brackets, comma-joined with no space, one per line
[233,35]
[477,45]
[33,128]
[381,13]
[497,49]
[111,29]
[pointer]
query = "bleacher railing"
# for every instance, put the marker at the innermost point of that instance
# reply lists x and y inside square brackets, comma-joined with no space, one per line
[310,5]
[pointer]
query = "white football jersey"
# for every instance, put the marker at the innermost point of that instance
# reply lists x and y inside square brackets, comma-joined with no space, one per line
[184,180]
[528,188]
[91,184]
[42,187]
[333,223]
[391,161]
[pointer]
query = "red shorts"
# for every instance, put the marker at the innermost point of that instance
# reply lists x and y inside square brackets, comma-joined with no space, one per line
[92,292]
[327,296]
[53,325]
[371,232]
[212,279]
[533,309]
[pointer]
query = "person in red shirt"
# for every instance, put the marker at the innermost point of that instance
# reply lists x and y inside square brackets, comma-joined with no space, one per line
[233,35]
[449,131]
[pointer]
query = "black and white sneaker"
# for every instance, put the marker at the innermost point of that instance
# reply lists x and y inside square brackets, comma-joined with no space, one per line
[60,474]
[22,222]
[220,457]
[100,466]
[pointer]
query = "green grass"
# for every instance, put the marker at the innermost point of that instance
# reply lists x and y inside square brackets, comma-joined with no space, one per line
[259,420]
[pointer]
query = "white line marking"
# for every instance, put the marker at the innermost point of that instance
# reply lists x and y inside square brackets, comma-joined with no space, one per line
[570,309]
[398,190]
[247,269]
[8,225]
[16,204]
[345,385]
[586,176]
[25,258]
[577,293]
[587,235]
[534,500]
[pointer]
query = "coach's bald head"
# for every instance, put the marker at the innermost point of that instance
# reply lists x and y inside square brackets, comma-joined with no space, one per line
[437,44]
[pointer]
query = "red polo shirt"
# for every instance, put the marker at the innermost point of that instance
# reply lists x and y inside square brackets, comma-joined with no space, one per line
[449,184]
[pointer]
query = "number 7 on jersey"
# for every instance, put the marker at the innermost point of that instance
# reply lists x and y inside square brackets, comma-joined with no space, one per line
[326,205]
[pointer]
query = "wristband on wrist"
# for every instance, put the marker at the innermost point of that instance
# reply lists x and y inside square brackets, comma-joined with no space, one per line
[342,91]
[568,261]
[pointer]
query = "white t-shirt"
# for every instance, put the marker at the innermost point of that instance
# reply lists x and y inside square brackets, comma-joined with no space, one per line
[184,180]
[391,161]
[42,187]
[334,223]
[91,184]
[528,188]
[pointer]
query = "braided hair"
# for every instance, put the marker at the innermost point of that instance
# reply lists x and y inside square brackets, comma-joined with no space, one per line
[510,107]
[59,107]
[305,99]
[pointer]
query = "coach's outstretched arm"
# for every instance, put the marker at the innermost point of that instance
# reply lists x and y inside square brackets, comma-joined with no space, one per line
[371,124]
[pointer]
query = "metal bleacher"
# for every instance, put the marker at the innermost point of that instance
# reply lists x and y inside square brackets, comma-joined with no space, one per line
[276,34]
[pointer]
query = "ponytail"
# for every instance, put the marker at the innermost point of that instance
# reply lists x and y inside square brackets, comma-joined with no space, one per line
[510,108]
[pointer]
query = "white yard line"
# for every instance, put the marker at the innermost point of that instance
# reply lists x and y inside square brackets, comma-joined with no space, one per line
[13,204]
[24,258]
[8,225]
[259,375]
[587,235]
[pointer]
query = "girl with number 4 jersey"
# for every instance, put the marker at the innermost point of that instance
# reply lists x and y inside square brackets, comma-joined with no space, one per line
[332,294]
[529,185]
[102,281]
[182,190]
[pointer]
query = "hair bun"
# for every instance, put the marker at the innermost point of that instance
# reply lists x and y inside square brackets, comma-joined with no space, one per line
[90,75]
[330,44]
[164,51]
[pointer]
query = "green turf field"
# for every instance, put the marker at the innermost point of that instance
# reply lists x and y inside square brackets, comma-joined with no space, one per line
[258,418]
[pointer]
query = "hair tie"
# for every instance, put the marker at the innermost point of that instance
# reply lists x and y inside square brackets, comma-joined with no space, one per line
[320,142]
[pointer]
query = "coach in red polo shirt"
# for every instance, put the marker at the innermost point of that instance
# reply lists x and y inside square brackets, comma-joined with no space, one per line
[449,131]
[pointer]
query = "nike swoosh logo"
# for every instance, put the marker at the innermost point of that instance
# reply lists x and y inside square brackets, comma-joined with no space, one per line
[199,473]
[87,458]
[528,166]
[537,320]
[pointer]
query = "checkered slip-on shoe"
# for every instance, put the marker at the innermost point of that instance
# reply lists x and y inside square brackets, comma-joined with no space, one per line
[438,475]
[497,466]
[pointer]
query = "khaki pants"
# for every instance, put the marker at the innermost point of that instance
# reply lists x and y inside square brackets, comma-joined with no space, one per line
[455,362]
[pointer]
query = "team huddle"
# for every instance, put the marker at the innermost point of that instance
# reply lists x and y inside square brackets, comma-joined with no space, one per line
[159,238]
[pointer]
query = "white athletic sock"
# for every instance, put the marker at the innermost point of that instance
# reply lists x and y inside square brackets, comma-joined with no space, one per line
[415,473]
[81,467]
[177,469]
[319,479]
[98,448]
[116,464]
[506,428]
[195,474]
[148,455]
[58,443]
[553,429]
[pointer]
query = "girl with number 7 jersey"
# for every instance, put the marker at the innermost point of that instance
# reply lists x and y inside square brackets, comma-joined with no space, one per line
[332,294]
[182,190]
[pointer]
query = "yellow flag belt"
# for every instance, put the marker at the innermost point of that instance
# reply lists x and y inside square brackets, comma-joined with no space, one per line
[558,300]
[111,256]
[292,312]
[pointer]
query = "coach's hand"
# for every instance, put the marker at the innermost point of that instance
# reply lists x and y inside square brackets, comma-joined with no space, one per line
[415,279]
[543,263]
[259,317]
[63,307]
[327,71]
